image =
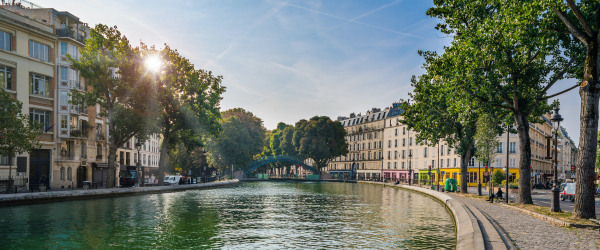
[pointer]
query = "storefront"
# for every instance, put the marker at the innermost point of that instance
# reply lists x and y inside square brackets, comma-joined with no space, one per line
[395,175]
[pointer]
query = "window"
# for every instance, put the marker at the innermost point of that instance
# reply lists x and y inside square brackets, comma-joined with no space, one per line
[396,133]
[442,150]
[447,162]
[389,165]
[64,74]
[98,150]
[62,173]
[63,122]
[403,130]
[4,160]
[403,154]
[6,78]
[455,162]
[499,163]
[425,152]
[69,175]
[39,51]
[40,85]
[513,163]
[402,165]
[40,116]
[499,149]
[63,48]
[396,143]
[512,147]
[403,142]
[83,151]
[389,155]
[5,40]
[472,161]
[395,165]
[395,154]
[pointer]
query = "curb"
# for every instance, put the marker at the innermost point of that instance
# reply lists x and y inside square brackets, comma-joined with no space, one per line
[53,196]
[552,220]
[468,232]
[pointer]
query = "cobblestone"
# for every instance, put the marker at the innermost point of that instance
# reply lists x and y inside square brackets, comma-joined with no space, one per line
[528,232]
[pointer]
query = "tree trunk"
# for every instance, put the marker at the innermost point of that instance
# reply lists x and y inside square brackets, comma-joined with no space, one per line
[163,161]
[524,160]
[112,159]
[464,171]
[586,156]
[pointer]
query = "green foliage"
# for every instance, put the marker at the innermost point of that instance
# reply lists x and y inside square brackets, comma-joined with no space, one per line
[189,101]
[117,81]
[320,139]
[486,138]
[508,60]
[242,139]
[498,177]
[17,134]
[184,160]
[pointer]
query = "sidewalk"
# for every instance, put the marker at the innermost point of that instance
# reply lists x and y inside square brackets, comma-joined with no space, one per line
[51,196]
[528,232]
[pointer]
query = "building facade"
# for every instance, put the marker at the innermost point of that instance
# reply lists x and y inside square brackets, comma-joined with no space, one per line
[148,157]
[27,72]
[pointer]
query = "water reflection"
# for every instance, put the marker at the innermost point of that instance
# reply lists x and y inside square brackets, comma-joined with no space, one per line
[248,215]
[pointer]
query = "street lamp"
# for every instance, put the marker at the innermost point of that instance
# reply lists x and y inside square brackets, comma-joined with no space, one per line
[556,119]
[410,167]
[138,164]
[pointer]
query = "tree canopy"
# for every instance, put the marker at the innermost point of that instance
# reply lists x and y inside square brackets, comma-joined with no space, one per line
[510,59]
[320,139]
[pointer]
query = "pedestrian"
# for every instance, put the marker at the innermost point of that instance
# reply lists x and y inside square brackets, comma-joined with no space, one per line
[499,193]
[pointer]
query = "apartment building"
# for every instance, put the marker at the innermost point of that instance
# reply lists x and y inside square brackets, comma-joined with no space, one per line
[148,155]
[402,156]
[365,139]
[27,72]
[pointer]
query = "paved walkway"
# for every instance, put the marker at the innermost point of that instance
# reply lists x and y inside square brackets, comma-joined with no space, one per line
[528,232]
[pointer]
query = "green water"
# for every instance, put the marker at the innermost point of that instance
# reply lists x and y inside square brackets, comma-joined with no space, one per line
[247,215]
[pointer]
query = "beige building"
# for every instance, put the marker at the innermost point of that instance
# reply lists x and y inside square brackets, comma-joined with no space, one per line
[365,139]
[27,72]
[149,154]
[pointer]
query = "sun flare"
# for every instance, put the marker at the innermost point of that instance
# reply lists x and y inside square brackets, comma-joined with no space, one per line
[153,63]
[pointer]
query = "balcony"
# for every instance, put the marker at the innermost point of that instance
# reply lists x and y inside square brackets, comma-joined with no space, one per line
[69,33]
[99,137]
[66,156]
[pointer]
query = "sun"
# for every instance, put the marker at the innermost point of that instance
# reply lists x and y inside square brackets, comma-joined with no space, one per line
[153,63]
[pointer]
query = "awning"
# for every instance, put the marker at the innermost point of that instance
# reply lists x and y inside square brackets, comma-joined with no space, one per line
[100,165]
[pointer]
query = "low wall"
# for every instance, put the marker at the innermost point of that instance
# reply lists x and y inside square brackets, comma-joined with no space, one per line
[52,196]
[468,232]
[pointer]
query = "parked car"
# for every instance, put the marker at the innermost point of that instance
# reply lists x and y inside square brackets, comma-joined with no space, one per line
[172,179]
[567,191]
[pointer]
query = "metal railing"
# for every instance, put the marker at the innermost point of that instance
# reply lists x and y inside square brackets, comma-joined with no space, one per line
[66,32]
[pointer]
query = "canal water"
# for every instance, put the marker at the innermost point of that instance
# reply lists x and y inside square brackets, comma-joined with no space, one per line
[243,216]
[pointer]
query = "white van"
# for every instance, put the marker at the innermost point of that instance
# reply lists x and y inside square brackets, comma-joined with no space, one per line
[172,179]
[567,191]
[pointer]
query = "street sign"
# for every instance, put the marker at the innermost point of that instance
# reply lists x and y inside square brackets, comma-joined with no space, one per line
[442,172]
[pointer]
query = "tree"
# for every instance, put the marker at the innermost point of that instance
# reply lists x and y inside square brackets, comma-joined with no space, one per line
[486,141]
[116,81]
[498,177]
[438,113]
[581,20]
[242,139]
[17,133]
[320,139]
[505,50]
[189,101]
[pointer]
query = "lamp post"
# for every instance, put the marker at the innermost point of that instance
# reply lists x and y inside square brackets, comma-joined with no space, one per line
[410,167]
[479,179]
[507,159]
[556,119]
[138,164]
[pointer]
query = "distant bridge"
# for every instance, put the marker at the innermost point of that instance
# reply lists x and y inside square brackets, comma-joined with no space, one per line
[279,158]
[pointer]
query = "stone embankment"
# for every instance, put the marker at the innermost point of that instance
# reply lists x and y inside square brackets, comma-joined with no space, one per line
[51,196]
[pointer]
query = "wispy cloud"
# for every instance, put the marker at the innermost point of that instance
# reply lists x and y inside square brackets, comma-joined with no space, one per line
[366,14]
[355,21]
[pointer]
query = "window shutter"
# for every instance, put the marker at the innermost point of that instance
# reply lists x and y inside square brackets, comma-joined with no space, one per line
[14,79]
[51,54]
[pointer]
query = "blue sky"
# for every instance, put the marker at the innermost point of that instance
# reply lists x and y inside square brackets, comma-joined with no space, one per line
[291,60]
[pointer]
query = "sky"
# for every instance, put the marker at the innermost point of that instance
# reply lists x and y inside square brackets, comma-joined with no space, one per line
[290,60]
